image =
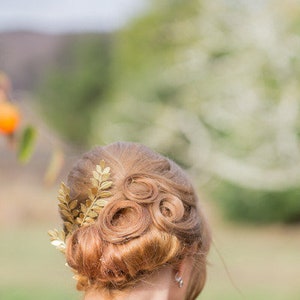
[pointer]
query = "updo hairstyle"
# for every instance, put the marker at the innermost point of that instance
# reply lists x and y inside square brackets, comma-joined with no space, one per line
[152,220]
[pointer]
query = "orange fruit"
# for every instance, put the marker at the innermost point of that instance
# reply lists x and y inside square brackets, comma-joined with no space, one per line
[9,117]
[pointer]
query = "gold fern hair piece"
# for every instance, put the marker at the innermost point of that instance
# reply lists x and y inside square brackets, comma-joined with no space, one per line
[85,214]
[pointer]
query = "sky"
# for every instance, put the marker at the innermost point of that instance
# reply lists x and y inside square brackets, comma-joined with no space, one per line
[67,15]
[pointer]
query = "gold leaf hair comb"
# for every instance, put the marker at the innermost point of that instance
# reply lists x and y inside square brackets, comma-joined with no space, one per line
[76,216]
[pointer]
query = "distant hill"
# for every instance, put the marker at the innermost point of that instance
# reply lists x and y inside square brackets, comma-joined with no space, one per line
[25,56]
[22,55]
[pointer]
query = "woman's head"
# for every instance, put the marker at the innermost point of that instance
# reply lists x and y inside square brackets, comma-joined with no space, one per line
[151,220]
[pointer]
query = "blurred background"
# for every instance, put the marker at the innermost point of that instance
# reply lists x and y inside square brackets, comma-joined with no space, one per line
[214,85]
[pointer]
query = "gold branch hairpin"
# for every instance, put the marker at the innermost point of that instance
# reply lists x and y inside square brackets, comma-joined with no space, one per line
[85,214]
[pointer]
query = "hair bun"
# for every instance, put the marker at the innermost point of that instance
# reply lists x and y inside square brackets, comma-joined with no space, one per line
[150,220]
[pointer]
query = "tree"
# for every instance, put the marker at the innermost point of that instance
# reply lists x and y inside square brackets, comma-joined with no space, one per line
[77,85]
[214,85]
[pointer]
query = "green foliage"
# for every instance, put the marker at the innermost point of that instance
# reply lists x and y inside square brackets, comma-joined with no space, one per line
[206,85]
[246,205]
[149,43]
[77,85]
[144,51]
[27,142]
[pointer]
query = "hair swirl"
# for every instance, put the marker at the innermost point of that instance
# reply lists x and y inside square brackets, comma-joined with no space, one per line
[140,188]
[151,220]
[123,220]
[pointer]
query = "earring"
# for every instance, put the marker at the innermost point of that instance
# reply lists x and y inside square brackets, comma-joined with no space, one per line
[179,280]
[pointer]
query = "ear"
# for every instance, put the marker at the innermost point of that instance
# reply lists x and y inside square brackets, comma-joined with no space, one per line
[185,266]
[181,276]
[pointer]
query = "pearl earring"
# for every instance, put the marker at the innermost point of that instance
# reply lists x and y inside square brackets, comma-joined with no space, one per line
[179,280]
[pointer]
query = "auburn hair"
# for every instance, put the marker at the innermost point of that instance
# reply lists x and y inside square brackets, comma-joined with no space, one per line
[151,220]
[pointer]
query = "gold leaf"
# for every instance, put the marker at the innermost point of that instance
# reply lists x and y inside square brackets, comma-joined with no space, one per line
[105,194]
[69,226]
[73,204]
[88,202]
[106,170]
[83,208]
[75,212]
[87,212]
[65,213]
[100,202]
[105,176]
[64,189]
[52,233]
[99,169]
[96,175]
[89,220]
[61,235]
[79,220]
[62,199]
[57,238]
[70,218]
[93,214]
[64,192]
[94,192]
[94,182]
[106,185]
[91,195]
[102,164]
[97,209]
[62,206]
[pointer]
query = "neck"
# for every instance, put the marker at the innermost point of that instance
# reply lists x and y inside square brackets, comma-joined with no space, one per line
[155,287]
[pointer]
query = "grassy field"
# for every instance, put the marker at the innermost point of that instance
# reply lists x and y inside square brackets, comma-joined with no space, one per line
[260,263]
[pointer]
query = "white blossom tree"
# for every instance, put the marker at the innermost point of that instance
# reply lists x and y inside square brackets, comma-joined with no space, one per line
[234,72]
